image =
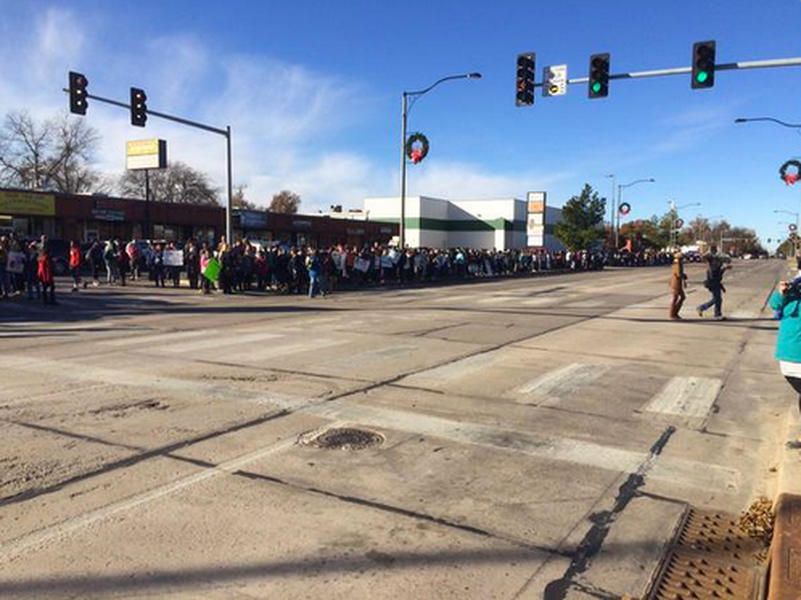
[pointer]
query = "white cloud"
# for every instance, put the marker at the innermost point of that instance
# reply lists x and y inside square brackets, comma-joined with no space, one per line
[284,117]
[462,180]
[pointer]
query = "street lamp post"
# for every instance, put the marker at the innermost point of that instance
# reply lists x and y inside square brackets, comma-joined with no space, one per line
[406,106]
[612,206]
[796,126]
[789,212]
[675,215]
[620,189]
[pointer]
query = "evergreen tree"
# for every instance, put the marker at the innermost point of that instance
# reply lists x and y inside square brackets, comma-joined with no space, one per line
[582,220]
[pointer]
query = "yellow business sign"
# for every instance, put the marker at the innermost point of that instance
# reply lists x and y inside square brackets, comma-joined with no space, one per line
[146,154]
[27,203]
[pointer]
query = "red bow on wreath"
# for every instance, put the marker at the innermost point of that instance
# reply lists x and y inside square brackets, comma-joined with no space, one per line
[790,177]
[416,155]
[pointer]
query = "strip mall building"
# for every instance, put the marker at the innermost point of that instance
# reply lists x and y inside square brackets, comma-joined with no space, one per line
[501,223]
[83,218]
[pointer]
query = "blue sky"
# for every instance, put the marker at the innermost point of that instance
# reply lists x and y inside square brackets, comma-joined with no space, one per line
[312,92]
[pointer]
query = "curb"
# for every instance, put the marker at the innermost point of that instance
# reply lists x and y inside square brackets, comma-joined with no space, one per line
[784,580]
[785,551]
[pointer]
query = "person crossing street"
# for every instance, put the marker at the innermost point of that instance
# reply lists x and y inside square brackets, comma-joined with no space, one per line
[678,281]
[714,283]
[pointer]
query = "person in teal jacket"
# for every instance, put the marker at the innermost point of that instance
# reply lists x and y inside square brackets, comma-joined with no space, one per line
[787,306]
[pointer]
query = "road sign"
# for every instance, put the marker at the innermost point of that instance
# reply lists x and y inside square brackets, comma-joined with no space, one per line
[554,80]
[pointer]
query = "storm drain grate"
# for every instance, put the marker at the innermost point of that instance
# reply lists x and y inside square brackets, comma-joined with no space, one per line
[710,558]
[343,438]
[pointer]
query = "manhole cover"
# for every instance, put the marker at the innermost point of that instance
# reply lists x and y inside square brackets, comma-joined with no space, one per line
[343,438]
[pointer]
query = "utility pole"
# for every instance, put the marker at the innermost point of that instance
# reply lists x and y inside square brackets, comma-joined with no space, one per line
[226,133]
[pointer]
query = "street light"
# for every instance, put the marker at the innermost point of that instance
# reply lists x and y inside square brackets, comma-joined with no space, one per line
[789,212]
[796,126]
[674,217]
[613,177]
[771,119]
[620,189]
[406,106]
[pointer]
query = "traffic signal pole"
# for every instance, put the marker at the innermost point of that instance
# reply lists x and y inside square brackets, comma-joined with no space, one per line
[734,66]
[226,133]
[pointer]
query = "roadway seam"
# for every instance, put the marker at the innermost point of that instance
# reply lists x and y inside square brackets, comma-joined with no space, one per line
[384,507]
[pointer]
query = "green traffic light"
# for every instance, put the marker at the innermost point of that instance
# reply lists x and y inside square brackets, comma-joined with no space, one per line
[702,76]
[596,87]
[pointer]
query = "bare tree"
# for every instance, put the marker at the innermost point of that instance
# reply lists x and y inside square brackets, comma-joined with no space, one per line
[179,183]
[53,155]
[285,202]
[238,199]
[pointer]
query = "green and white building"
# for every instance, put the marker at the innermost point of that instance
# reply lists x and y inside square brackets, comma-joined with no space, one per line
[438,223]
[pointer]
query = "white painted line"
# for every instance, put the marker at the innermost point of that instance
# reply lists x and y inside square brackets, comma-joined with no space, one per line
[745,314]
[76,371]
[231,338]
[158,338]
[683,472]
[550,448]
[14,548]
[686,396]
[539,301]
[510,300]
[459,368]
[586,304]
[555,385]
[448,299]
[260,353]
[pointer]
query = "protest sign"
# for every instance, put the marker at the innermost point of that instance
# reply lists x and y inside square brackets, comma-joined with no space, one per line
[173,258]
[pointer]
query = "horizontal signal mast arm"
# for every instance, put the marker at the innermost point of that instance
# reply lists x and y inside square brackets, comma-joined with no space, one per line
[742,65]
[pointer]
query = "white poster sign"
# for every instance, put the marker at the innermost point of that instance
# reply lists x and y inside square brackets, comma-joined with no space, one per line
[173,258]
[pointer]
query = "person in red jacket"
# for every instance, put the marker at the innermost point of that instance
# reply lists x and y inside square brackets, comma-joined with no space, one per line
[45,274]
[75,265]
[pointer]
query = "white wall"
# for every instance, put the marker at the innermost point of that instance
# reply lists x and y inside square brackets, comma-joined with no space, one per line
[450,213]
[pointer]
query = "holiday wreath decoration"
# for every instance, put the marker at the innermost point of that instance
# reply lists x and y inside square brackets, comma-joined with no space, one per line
[790,177]
[417,147]
[625,208]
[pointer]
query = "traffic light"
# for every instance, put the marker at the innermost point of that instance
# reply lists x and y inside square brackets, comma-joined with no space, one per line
[525,79]
[78,102]
[598,86]
[703,65]
[138,107]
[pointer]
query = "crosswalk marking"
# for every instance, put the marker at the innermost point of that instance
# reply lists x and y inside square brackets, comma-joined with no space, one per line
[214,341]
[556,384]
[674,470]
[587,304]
[160,338]
[461,367]
[686,396]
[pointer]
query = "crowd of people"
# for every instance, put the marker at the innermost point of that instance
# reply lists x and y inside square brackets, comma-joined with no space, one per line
[27,267]
[245,266]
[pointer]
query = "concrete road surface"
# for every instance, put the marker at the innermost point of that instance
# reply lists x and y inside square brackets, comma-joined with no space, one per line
[540,438]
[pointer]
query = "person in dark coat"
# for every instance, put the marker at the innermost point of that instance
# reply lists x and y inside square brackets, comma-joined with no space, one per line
[157,265]
[192,263]
[714,283]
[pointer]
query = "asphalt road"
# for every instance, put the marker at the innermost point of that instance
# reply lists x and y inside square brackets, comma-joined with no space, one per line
[540,437]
